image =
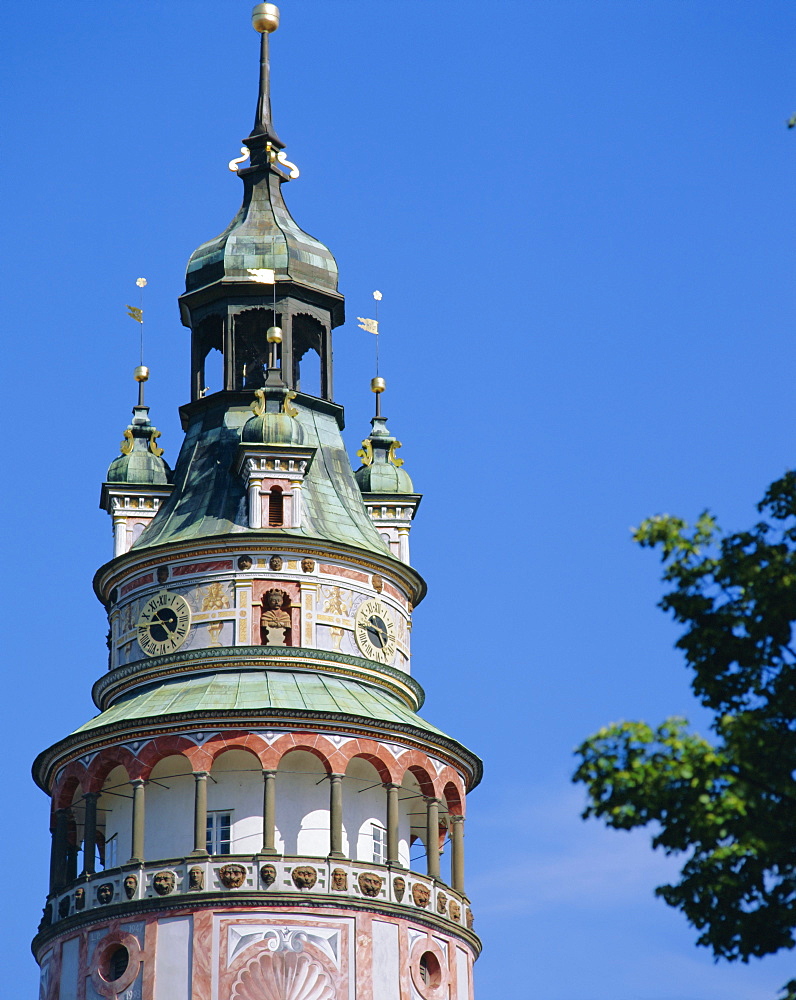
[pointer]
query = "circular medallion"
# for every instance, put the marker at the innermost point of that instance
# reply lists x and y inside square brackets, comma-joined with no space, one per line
[375,631]
[164,623]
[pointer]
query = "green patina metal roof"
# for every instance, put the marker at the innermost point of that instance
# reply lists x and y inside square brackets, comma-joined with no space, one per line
[140,462]
[383,472]
[263,235]
[259,691]
[209,499]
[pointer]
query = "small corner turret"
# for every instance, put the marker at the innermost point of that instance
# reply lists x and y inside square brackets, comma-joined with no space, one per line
[387,490]
[139,480]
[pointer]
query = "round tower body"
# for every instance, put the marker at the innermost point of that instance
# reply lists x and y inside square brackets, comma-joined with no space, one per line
[258,811]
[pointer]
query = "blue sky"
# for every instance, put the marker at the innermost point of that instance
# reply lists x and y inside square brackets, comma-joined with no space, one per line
[580,213]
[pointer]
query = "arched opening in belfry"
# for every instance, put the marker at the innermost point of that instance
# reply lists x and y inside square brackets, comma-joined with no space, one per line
[365,811]
[208,356]
[252,347]
[308,338]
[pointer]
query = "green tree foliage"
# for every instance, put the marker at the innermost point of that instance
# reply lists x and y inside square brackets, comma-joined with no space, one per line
[727,803]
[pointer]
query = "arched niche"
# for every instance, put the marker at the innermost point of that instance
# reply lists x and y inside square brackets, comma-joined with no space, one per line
[115,818]
[235,803]
[252,350]
[302,806]
[168,817]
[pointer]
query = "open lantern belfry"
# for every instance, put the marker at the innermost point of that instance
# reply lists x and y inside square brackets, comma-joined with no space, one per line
[258,812]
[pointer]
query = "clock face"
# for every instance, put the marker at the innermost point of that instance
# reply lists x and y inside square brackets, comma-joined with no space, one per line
[375,631]
[164,623]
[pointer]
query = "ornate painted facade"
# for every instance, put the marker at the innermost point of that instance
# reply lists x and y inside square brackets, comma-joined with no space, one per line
[258,811]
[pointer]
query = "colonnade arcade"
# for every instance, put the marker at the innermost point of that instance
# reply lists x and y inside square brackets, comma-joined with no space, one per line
[234,794]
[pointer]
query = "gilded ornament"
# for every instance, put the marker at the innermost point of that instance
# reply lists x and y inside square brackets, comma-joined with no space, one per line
[127,444]
[234,165]
[370,884]
[214,631]
[392,457]
[232,876]
[258,406]
[304,877]
[291,411]
[366,452]
[163,883]
[157,452]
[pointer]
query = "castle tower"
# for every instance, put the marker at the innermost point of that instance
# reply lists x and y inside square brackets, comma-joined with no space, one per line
[258,812]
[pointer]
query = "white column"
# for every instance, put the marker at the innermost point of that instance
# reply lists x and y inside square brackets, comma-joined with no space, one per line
[255,504]
[119,535]
[295,503]
[403,544]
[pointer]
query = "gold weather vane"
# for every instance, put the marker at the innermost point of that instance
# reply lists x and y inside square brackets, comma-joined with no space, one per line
[137,312]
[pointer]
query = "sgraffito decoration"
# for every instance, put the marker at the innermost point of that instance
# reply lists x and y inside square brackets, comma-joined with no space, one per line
[283,976]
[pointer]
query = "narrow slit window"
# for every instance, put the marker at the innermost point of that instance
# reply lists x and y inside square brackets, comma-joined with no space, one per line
[276,508]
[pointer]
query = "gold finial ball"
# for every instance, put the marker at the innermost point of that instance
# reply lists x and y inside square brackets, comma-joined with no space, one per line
[141,373]
[274,335]
[377,384]
[265,17]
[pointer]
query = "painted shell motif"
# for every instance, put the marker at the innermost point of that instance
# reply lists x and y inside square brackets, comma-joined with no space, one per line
[283,976]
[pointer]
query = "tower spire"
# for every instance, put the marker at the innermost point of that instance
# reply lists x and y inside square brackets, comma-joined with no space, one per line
[265,20]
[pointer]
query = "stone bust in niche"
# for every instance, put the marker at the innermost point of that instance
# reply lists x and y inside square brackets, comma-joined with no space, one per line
[275,621]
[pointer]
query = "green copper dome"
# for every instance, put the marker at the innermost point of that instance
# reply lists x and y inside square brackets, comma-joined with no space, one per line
[381,471]
[140,461]
[274,420]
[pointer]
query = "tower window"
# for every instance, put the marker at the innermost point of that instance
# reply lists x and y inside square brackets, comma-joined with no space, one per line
[276,507]
[115,964]
[379,844]
[430,971]
[219,833]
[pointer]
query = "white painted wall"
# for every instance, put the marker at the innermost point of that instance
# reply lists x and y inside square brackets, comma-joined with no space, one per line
[302,806]
[115,810]
[173,960]
[462,975]
[67,987]
[386,973]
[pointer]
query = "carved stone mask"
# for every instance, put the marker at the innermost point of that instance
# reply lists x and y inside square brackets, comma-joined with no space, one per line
[308,565]
[304,877]
[369,884]
[421,895]
[232,876]
[80,898]
[244,562]
[105,892]
[130,885]
[268,875]
[196,878]
[275,563]
[340,879]
[399,887]
[163,883]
